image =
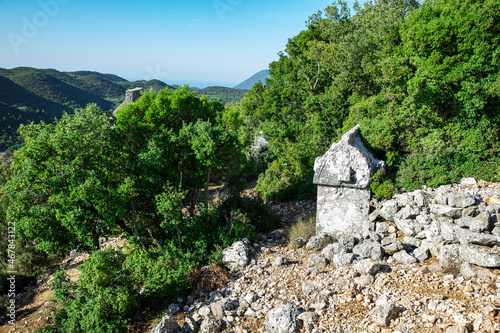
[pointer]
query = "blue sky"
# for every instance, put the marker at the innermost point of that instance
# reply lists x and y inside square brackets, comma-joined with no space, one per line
[200,42]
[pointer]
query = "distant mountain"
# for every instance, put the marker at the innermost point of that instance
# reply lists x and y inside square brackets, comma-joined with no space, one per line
[248,83]
[110,77]
[33,95]
[156,85]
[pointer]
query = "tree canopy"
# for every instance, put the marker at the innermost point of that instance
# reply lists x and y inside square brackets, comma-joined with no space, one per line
[88,176]
[421,80]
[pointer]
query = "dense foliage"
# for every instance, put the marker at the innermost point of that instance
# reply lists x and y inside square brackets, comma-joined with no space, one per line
[143,175]
[423,82]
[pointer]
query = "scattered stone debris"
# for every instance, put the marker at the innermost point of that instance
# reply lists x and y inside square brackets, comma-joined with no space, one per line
[415,267]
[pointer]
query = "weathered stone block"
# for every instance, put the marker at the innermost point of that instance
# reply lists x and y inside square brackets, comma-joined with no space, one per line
[338,209]
[343,175]
[404,258]
[466,237]
[448,211]
[449,258]
[479,257]
[389,210]
[283,319]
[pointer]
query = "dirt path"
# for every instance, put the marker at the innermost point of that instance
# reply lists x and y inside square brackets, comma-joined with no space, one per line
[35,306]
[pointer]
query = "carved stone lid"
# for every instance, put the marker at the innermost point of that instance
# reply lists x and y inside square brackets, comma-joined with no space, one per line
[347,163]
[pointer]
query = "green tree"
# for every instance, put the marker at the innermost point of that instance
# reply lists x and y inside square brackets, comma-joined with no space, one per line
[326,81]
[87,176]
[65,188]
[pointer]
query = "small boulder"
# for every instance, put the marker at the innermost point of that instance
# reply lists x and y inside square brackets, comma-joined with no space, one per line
[279,261]
[308,317]
[384,313]
[405,199]
[298,243]
[466,237]
[371,250]
[173,309]
[391,245]
[236,256]
[276,234]
[283,319]
[190,325]
[460,200]
[465,221]
[347,242]
[367,267]
[220,307]
[407,226]
[343,259]
[167,325]
[468,181]
[479,257]
[205,311]
[408,212]
[316,260]
[318,242]
[389,210]
[364,280]
[448,231]
[332,250]
[449,258]
[404,258]
[467,270]
[422,253]
[481,222]
[382,228]
[421,198]
[444,210]
[210,325]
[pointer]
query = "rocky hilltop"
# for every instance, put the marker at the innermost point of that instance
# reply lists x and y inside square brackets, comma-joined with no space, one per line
[425,261]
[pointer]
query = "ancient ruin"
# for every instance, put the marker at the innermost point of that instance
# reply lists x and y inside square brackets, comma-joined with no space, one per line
[343,179]
[131,95]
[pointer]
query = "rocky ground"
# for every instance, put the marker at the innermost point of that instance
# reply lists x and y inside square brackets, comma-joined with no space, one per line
[287,289]
[343,300]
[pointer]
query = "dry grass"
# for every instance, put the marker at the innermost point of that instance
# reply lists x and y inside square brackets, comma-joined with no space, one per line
[304,227]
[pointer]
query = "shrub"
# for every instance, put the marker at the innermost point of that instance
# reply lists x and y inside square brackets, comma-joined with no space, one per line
[161,276]
[282,181]
[246,216]
[381,187]
[102,300]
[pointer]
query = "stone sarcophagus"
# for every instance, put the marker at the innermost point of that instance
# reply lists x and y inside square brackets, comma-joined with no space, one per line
[343,179]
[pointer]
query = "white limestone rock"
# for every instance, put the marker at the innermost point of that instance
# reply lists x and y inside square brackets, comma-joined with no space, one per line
[283,319]
[235,257]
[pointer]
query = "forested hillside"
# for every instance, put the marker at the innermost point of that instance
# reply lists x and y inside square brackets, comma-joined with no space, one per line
[225,94]
[33,95]
[423,83]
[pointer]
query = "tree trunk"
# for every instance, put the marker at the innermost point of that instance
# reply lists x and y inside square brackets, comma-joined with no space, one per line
[144,247]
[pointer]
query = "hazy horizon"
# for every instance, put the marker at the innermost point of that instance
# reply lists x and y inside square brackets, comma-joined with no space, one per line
[202,43]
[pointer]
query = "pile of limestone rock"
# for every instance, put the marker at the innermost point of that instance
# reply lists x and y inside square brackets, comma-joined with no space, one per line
[459,224]
[439,238]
